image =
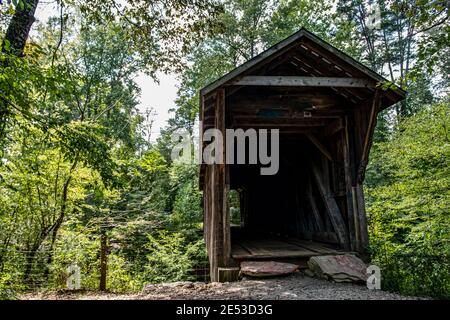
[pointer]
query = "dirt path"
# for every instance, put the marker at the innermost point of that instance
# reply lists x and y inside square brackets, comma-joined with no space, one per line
[296,287]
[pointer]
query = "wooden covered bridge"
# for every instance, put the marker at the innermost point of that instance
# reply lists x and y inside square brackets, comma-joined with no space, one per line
[325,105]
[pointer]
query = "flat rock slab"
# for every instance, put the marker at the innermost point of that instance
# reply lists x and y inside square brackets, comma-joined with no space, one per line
[267,268]
[340,268]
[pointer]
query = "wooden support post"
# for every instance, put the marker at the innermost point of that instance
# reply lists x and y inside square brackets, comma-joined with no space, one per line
[351,212]
[356,223]
[225,180]
[216,223]
[367,142]
[360,214]
[207,210]
[220,252]
[228,274]
[362,219]
[332,208]
[211,251]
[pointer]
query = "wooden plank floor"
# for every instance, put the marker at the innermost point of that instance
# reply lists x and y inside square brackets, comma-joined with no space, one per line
[266,248]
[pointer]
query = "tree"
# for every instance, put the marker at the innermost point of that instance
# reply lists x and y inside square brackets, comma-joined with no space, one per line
[158,32]
[19,27]
[400,40]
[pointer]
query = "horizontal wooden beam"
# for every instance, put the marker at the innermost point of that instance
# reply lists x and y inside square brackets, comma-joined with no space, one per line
[300,117]
[279,125]
[294,81]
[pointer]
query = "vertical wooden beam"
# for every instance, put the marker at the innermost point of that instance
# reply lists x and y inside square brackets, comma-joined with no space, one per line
[368,138]
[216,226]
[205,213]
[362,219]
[351,212]
[225,178]
[207,210]
[201,113]
[358,246]
[220,218]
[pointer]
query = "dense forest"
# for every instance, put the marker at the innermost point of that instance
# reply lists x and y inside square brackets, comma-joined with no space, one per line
[81,182]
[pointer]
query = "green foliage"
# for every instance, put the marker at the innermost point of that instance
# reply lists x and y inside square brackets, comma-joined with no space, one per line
[171,258]
[157,32]
[84,141]
[408,199]
[8,287]
[80,249]
[235,208]
[289,16]
[120,276]
[186,208]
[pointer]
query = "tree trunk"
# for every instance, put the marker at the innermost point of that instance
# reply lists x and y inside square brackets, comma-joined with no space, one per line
[103,260]
[19,27]
[16,36]
[57,225]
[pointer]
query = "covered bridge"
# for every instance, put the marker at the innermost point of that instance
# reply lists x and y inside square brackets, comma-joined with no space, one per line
[325,105]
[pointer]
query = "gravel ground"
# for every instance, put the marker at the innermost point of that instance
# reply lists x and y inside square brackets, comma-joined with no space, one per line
[294,287]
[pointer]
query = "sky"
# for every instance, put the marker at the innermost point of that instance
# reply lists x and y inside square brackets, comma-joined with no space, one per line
[159,96]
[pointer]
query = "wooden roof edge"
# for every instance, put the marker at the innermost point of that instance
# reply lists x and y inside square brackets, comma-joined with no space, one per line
[355,63]
[252,62]
[303,32]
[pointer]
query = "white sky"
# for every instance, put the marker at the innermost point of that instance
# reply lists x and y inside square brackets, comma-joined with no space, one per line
[159,96]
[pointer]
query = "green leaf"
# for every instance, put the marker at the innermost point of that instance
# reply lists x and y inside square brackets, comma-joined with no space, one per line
[6,45]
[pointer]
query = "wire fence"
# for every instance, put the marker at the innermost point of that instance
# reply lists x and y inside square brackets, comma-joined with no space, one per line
[123,265]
